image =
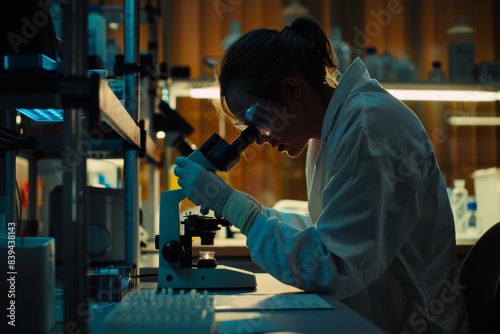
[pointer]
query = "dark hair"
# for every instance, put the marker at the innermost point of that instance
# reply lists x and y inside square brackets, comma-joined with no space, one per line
[257,61]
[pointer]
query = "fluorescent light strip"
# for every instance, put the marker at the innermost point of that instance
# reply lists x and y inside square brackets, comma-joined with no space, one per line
[204,93]
[43,115]
[402,94]
[444,95]
[473,121]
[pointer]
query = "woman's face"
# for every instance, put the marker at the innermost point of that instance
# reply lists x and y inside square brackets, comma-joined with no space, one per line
[281,125]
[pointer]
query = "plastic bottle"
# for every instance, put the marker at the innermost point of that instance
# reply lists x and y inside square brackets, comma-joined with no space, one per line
[233,35]
[472,223]
[96,24]
[389,63]
[373,64]
[461,53]
[459,199]
[436,74]
[56,14]
[343,50]
[118,84]
[112,49]
[293,10]
[405,71]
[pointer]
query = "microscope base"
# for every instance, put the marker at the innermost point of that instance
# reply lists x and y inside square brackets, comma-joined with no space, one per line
[220,277]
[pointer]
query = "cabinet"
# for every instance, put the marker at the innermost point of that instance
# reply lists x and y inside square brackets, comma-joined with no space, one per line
[85,102]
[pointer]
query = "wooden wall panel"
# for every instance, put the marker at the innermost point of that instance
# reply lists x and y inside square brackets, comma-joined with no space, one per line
[196,29]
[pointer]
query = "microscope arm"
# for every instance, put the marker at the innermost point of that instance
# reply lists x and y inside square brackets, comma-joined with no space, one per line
[215,154]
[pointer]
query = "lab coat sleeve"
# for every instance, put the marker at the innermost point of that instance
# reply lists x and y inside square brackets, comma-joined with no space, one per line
[369,208]
[293,219]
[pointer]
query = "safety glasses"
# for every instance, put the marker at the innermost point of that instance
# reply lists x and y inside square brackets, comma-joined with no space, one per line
[259,114]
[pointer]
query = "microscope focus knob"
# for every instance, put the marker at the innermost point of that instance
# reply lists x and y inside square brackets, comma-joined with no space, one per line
[173,251]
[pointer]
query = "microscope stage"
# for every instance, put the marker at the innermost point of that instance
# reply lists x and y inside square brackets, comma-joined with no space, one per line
[220,277]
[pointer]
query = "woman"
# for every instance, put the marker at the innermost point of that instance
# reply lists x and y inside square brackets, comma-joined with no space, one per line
[380,233]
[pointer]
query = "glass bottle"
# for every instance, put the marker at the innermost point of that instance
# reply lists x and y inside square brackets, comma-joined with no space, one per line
[373,64]
[342,49]
[459,197]
[436,74]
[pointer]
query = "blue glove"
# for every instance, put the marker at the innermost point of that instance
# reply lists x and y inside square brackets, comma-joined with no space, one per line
[201,186]
[207,189]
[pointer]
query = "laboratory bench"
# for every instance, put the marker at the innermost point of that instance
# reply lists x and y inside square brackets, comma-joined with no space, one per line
[234,252]
[335,318]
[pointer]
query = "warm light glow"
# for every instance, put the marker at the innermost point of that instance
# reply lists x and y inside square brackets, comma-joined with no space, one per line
[160,134]
[113,25]
[444,95]
[402,94]
[473,121]
[205,93]
[207,255]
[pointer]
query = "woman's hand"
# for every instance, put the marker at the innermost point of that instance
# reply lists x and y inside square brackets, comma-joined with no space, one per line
[201,186]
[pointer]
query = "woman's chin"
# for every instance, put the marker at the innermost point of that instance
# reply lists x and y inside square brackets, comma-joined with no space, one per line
[292,152]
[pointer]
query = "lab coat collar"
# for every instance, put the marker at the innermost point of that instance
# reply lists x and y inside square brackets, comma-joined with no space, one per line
[355,74]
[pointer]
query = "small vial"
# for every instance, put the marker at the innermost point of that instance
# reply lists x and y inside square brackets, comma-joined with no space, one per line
[472,223]
[436,74]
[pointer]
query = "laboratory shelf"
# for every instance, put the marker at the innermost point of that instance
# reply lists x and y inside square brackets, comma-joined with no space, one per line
[63,92]
[47,91]
[82,104]
[426,85]
[114,114]
[408,91]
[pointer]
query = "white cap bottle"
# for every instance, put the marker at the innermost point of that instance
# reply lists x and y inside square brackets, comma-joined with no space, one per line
[96,30]
[405,70]
[342,49]
[235,32]
[461,53]
[373,63]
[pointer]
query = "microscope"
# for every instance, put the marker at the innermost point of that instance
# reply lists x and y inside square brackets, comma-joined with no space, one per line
[176,268]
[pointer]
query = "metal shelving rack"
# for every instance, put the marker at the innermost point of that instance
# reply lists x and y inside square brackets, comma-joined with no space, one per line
[81,98]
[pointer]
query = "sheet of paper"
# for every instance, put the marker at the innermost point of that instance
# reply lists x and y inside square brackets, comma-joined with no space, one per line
[300,301]
[251,322]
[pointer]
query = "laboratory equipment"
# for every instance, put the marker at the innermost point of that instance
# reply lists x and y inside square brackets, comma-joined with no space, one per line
[106,223]
[436,74]
[96,30]
[234,34]
[176,269]
[489,72]
[163,311]
[374,64]
[459,196]
[472,222]
[389,62]
[461,52]
[405,70]
[175,128]
[343,49]
[487,194]
[29,283]
[111,284]
[29,41]
[293,10]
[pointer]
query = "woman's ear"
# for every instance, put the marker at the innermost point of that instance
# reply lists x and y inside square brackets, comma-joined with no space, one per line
[290,89]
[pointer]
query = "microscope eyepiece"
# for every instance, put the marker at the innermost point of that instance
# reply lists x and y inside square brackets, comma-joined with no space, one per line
[247,138]
[222,155]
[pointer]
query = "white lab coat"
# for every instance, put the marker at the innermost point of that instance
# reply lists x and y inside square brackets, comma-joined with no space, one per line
[380,234]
